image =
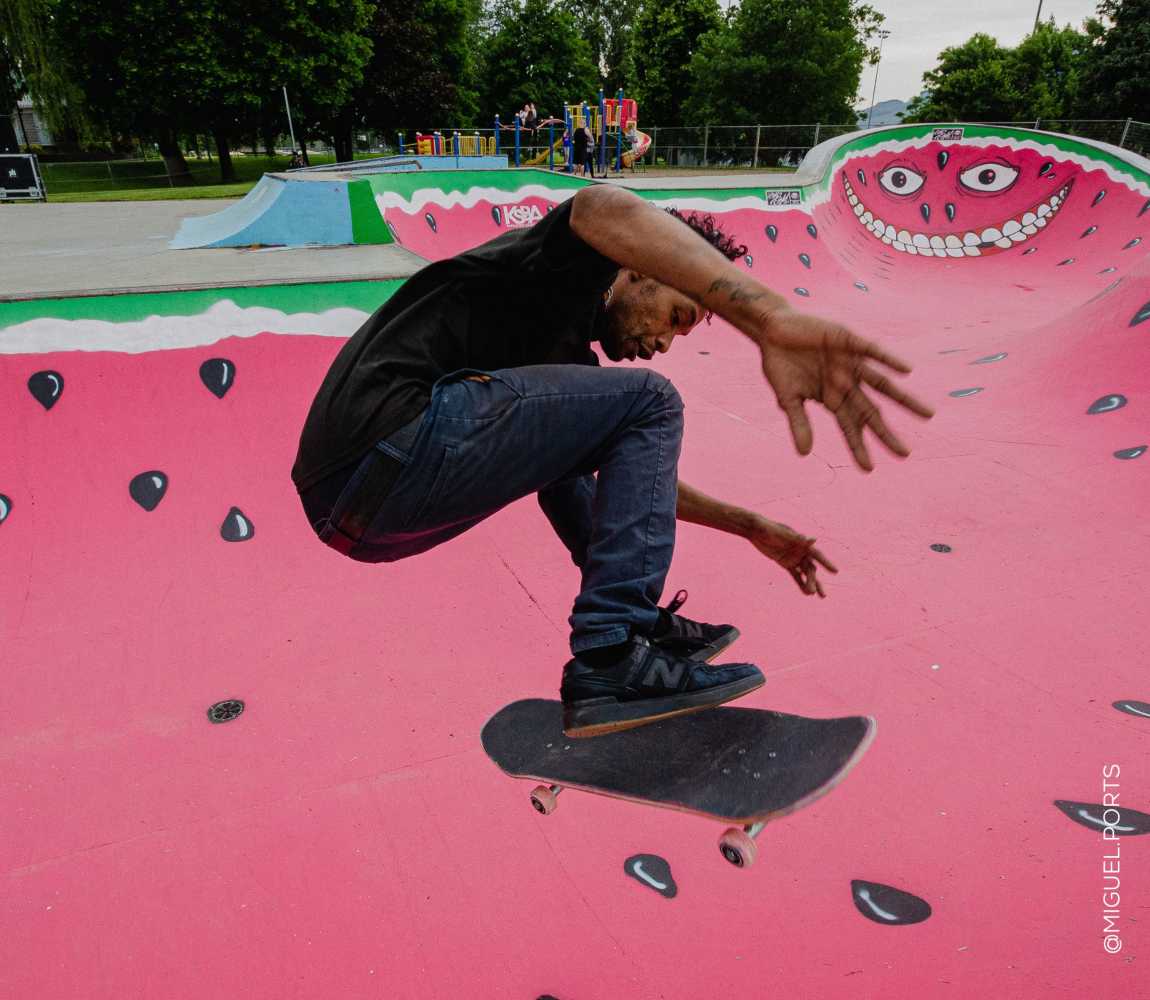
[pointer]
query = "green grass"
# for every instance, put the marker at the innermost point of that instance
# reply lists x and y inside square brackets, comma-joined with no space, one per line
[146,180]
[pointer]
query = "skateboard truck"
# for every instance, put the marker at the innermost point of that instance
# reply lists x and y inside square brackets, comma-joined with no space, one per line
[737,844]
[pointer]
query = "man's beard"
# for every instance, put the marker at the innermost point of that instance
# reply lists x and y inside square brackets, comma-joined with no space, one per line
[625,321]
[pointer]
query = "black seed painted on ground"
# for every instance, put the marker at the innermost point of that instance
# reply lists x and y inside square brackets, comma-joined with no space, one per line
[1108,270]
[394,234]
[951,211]
[884,904]
[1128,453]
[225,711]
[1139,708]
[925,210]
[748,260]
[803,292]
[5,508]
[1106,404]
[1063,263]
[989,359]
[236,527]
[1124,821]
[653,872]
[772,233]
[431,223]
[148,489]
[1098,197]
[1029,250]
[496,214]
[1144,209]
[1088,232]
[940,547]
[943,159]
[46,387]
[1141,315]
[1045,168]
[218,375]
[704,352]
[862,178]
[962,393]
[805,259]
[1133,243]
[813,230]
[861,286]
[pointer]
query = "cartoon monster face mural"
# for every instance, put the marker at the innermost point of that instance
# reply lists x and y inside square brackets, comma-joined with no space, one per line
[956,201]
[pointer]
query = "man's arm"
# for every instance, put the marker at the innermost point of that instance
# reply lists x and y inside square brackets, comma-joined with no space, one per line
[795,552]
[804,357]
[698,508]
[638,236]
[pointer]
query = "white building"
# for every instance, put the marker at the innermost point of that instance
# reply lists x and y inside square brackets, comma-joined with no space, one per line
[30,127]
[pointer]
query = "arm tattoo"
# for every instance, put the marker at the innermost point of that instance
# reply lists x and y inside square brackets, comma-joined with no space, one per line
[735,294]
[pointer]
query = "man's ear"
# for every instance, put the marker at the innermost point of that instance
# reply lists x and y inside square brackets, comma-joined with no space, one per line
[634,276]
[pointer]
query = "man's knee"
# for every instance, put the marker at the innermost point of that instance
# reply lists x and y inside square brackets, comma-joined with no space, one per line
[665,389]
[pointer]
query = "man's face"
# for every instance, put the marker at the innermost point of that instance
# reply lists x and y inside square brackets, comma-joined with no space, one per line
[644,317]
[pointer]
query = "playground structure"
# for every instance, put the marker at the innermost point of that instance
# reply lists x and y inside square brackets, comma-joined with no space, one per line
[613,121]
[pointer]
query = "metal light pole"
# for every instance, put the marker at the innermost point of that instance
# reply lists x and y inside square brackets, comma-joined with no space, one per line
[1038,15]
[291,127]
[882,37]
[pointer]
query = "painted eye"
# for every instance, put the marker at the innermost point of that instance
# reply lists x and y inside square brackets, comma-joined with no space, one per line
[901,180]
[988,178]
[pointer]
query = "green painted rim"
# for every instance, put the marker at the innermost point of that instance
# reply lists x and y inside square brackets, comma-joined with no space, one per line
[366,296]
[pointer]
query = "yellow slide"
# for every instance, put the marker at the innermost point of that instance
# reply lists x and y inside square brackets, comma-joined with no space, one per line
[539,160]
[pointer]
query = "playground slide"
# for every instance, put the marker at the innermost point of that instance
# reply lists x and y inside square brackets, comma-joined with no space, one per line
[638,151]
[538,161]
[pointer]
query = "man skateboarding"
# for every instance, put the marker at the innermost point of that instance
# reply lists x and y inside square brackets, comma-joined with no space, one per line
[475,385]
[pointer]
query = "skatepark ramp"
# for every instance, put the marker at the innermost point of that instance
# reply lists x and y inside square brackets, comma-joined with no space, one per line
[235,763]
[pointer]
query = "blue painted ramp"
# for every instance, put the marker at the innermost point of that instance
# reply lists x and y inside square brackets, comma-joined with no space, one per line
[277,212]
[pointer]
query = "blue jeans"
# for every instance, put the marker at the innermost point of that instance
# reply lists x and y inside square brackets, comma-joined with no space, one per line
[543,429]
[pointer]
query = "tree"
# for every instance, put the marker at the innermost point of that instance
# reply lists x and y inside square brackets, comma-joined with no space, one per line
[214,66]
[665,37]
[11,90]
[1116,80]
[1047,72]
[606,25]
[27,34]
[981,80]
[428,81]
[778,61]
[535,54]
[972,82]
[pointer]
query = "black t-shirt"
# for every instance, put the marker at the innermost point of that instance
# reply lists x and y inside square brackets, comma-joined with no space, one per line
[528,297]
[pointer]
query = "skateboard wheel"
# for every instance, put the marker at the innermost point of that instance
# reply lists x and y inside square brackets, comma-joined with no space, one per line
[544,800]
[738,848]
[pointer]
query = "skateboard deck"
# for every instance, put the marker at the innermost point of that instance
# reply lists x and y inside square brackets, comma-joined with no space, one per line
[740,765]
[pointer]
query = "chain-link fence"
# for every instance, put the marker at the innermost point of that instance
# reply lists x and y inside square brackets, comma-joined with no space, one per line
[785,145]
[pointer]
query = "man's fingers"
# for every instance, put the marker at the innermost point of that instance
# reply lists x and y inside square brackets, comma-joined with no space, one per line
[872,418]
[881,383]
[818,557]
[851,426]
[800,427]
[858,345]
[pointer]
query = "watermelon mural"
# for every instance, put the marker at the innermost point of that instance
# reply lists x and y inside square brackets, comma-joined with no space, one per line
[231,756]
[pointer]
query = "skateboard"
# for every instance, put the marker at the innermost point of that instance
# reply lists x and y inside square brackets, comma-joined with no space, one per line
[739,765]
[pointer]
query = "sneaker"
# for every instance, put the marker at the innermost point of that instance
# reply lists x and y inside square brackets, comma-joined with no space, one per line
[645,684]
[683,637]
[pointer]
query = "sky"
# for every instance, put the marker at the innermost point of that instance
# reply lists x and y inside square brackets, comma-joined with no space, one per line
[921,29]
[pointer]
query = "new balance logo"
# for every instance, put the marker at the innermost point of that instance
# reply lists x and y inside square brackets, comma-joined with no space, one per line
[668,671]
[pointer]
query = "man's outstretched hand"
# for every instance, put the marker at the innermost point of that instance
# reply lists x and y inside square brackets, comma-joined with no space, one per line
[794,552]
[805,357]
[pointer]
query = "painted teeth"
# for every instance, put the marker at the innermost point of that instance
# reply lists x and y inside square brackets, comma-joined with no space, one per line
[968,244]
